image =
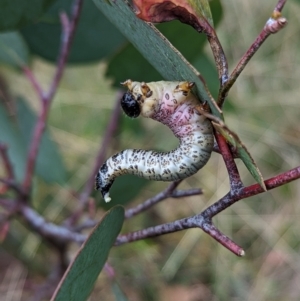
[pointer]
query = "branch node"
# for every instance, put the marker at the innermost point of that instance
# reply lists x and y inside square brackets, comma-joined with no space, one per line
[275,23]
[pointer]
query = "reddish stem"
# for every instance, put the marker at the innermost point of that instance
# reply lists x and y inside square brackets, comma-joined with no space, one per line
[152,201]
[251,190]
[246,58]
[234,176]
[203,220]
[6,161]
[279,6]
[34,82]
[169,192]
[111,129]
[34,147]
[89,185]
[215,233]
[68,31]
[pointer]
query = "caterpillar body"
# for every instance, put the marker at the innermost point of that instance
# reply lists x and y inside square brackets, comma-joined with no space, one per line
[173,104]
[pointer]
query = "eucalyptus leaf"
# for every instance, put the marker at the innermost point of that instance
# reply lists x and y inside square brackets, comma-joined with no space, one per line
[202,9]
[118,293]
[81,275]
[11,137]
[15,14]
[13,49]
[95,37]
[155,48]
[49,164]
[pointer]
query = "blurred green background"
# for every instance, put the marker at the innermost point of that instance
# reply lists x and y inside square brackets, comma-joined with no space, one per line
[264,110]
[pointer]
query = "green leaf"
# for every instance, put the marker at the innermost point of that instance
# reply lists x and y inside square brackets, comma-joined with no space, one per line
[121,67]
[119,294]
[49,165]
[95,37]
[10,136]
[155,48]
[209,72]
[13,49]
[242,152]
[82,273]
[17,13]
[202,10]
[121,64]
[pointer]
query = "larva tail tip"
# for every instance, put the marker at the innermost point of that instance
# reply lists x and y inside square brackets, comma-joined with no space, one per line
[107,198]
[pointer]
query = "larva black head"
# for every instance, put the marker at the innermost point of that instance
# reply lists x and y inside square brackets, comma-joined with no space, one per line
[130,106]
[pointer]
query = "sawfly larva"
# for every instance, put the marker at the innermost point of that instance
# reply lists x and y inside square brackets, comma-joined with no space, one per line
[173,104]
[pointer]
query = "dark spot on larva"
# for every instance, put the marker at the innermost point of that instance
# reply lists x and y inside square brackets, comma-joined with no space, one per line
[98,181]
[167,96]
[114,158]
[174,100]
[103,169]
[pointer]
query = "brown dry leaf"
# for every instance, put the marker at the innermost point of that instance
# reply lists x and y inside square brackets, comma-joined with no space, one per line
[193,12]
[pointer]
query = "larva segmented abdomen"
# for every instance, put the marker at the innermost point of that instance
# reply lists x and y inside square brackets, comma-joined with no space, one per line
[172,104]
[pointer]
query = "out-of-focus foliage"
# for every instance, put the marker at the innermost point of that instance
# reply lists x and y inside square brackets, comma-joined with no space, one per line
[17,13]
[16,132]
[95,37]
[263,110]
[13,49]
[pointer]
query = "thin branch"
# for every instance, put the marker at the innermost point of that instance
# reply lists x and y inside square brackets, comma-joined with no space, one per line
[34,147]
[111,129]
[13,185]
[234,176]
[167,228]
[49,230]
[203,220]
[89,185]
[169,192]
[273,25]
[219,56]
[185,193]
[6,162]
[224,240]
[8,204]
[230,199]
[34,82]
[279,6]
[152,201]
[68,30]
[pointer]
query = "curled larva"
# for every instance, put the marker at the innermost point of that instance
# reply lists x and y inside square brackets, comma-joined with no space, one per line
[173,104]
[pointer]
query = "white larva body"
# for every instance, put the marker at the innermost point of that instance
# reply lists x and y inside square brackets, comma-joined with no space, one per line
[172,104]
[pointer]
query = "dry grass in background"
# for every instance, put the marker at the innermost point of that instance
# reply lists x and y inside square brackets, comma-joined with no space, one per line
[264,110]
